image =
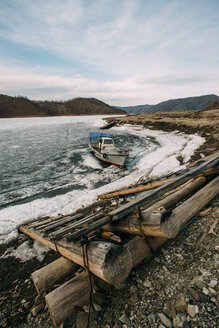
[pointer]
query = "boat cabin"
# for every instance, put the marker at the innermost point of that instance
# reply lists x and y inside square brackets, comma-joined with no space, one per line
[101,141]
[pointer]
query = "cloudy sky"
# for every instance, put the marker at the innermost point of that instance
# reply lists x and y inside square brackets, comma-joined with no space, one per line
[123,52]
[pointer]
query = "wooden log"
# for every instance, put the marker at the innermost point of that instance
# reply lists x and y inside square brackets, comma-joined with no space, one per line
[183,213]
[150,223]
[52,273]
[62,301]
[152,195]
[178,188]
[107,261]
[152,185]
[76,292]
[135,190]
[211,171]
[171,200]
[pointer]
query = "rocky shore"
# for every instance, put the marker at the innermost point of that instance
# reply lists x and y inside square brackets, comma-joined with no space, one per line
[176,287]
[204,123]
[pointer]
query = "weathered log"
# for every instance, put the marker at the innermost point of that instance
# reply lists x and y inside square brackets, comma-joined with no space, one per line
[150,223]
[183,213]
[178,188]
[62,301]
[52,273]
[152,195]
[171,200]
[76,292]
[153,185]
[211,171]
[107,261]
[135,190]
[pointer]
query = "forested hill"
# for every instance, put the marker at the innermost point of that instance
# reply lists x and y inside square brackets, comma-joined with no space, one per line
[23,107]
[180,104]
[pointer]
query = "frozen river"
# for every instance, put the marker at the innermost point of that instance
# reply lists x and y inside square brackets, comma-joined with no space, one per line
[46,157]
[46,167]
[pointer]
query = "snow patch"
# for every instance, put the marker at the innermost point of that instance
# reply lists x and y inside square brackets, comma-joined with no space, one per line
[25,252]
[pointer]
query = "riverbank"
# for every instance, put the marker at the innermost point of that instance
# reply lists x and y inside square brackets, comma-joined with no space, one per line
[204,123]
[154,285]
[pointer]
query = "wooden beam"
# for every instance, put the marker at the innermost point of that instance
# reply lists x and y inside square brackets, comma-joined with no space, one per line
[135,190]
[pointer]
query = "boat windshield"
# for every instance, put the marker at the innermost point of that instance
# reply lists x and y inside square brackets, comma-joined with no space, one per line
[108,142]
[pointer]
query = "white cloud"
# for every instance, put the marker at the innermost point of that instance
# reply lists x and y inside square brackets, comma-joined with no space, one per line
[144,51]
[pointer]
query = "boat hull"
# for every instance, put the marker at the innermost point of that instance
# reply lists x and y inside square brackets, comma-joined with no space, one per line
[110,158]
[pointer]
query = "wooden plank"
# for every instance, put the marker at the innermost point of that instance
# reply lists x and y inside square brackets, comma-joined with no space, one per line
[61,222]
[148,196]
[51,221]
[36,223]
[91,227]
[76,225]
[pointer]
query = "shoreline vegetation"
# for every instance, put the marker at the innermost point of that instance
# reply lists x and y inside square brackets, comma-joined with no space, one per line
[154,283]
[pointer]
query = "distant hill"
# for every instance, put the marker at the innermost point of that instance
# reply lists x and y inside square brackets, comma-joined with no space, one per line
[18,107]
[134,109]
[191,103]
[181,104]
[23,107]
[214,105]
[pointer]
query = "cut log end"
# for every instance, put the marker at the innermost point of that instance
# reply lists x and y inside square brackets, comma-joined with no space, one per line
[118,264]
[62,301]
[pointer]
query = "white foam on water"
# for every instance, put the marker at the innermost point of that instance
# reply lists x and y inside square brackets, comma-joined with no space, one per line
[91,161]
[162,161]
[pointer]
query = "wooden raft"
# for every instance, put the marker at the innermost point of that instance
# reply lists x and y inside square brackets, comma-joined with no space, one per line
[134,231]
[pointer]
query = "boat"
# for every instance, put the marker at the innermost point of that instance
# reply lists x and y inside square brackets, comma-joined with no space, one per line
[102,147]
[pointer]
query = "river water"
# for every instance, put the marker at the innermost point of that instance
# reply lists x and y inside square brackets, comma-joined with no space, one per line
[48,157]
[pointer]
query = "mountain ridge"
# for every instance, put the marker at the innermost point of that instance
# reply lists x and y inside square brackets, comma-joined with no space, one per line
[23,107]
[179,104]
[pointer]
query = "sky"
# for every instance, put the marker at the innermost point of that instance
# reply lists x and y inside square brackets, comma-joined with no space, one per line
[123,52]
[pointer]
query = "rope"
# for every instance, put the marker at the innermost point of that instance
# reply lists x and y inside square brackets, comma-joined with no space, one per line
[54,240]
[84,244]
[138,216]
